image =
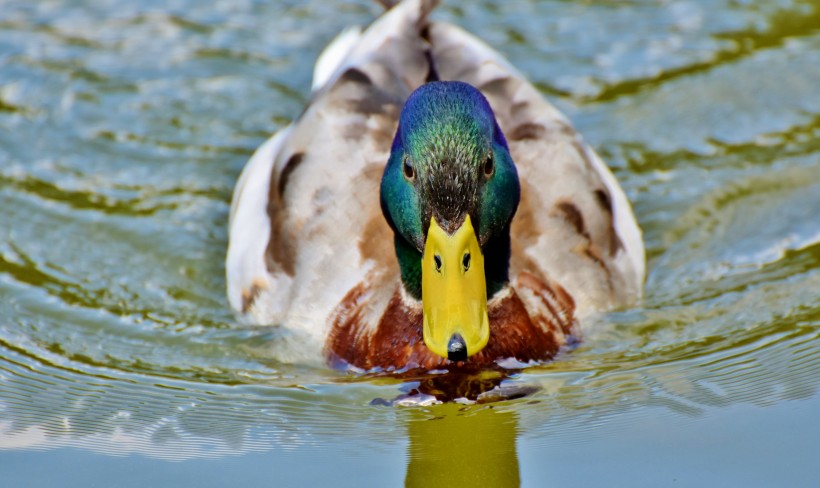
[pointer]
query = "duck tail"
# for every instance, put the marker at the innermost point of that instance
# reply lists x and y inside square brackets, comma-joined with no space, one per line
[354,43]
[426,6]
[387,4]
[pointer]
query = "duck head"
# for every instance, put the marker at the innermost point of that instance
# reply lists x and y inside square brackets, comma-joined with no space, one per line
[449,192]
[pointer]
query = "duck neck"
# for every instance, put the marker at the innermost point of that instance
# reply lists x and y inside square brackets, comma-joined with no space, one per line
[496,264]
[410,263]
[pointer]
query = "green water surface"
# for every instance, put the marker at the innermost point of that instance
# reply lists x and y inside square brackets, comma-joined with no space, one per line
[124,126]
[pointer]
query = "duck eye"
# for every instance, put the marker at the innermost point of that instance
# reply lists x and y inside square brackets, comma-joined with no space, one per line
[409,171]
[465,261]
[489,166]
[437,259]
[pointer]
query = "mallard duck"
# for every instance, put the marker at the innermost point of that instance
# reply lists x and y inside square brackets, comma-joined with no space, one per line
[428,209]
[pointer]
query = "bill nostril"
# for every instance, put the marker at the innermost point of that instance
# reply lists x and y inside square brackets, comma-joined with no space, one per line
[457,348]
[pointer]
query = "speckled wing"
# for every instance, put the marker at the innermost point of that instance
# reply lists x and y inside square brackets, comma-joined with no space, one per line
[306,224]
[574,225]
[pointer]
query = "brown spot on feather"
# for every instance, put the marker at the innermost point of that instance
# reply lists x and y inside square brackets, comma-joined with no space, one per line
[572,215]
[604,200]
[498,86]
[355,75]
[527,130]
[355,91]
[250,295]
[291,165]
[524,231]
[376,242]
[278,253]
[602,197]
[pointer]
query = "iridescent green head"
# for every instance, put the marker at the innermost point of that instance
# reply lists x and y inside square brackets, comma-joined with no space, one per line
[449,191]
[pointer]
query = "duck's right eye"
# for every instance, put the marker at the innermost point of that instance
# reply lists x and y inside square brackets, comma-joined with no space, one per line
[489,166]
[409,171]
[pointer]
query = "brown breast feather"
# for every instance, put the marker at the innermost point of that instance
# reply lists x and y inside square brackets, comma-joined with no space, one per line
[397,343]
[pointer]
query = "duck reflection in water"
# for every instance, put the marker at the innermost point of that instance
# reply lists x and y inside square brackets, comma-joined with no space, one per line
[457,445]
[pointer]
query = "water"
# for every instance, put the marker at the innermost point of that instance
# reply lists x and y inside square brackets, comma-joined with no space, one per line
[123,128]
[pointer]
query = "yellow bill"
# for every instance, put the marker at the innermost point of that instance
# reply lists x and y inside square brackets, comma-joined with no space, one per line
[454,292]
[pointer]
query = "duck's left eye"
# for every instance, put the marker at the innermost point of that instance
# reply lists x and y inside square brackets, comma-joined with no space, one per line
[409,171]
[465,261]
[489,166]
